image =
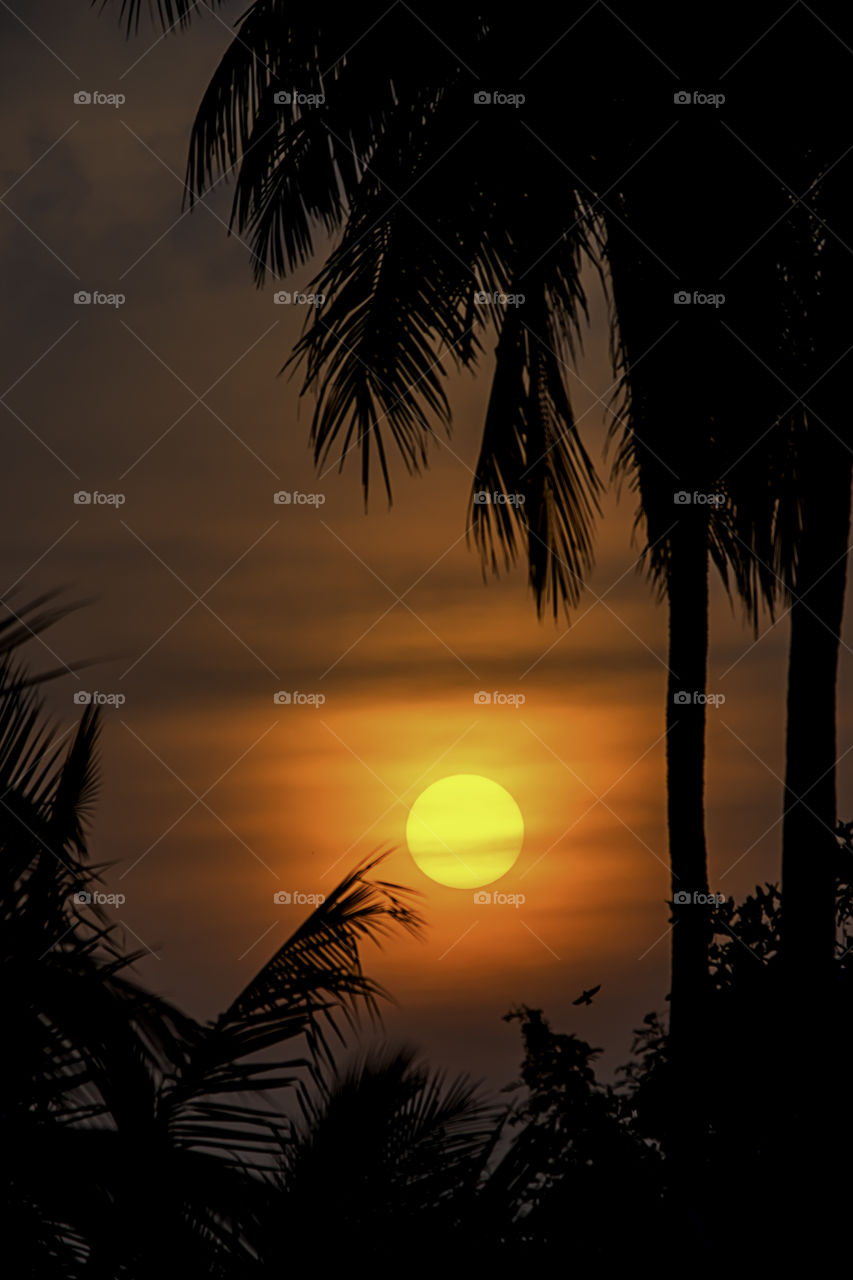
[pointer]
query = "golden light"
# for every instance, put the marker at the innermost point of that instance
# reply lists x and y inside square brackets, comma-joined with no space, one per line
[465,831]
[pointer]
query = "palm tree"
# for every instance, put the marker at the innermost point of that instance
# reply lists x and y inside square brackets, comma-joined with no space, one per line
[393,1152]
[118,1109]
[703,438]
[807,148]
[815,576]
[377,160]
[765,384]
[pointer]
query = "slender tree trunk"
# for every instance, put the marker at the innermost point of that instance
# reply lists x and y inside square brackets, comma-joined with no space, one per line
[808,842]
[814,1077]
[685,755]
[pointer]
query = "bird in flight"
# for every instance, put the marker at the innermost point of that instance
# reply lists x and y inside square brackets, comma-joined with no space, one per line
[585,997]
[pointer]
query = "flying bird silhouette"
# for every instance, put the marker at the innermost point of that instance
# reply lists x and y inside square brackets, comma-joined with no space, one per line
[585,997]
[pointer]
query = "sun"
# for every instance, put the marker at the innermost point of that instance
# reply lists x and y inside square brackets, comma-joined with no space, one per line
[465,831]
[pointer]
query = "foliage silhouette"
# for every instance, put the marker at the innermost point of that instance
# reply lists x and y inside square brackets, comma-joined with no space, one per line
[138,1139]
[101,1075]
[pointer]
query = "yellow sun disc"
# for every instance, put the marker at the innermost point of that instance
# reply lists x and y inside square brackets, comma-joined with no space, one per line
[465,831]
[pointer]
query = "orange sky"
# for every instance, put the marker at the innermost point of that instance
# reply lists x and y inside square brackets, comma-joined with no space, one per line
[304,598]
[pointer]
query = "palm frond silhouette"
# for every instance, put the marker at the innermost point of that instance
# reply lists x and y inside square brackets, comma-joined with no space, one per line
[140,1099]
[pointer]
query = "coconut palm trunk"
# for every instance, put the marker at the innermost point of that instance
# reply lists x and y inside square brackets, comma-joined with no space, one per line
[817,576]
[687,591]
[809,846]
[809,849]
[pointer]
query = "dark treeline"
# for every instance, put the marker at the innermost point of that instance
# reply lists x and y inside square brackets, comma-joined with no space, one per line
[138,1141]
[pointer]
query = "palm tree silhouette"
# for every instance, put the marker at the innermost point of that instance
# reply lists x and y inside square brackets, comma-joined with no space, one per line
[815,163]
[807,150]
[393,1152]
[112,1097]
[441,201]
[702,311]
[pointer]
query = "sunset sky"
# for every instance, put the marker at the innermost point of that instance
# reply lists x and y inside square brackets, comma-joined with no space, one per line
[203,598]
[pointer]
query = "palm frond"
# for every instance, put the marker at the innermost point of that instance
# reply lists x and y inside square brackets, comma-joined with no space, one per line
[312,987]
[45,788]
[367,387]
[391,1131]
[300,163]
[167,13]
[535,483]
